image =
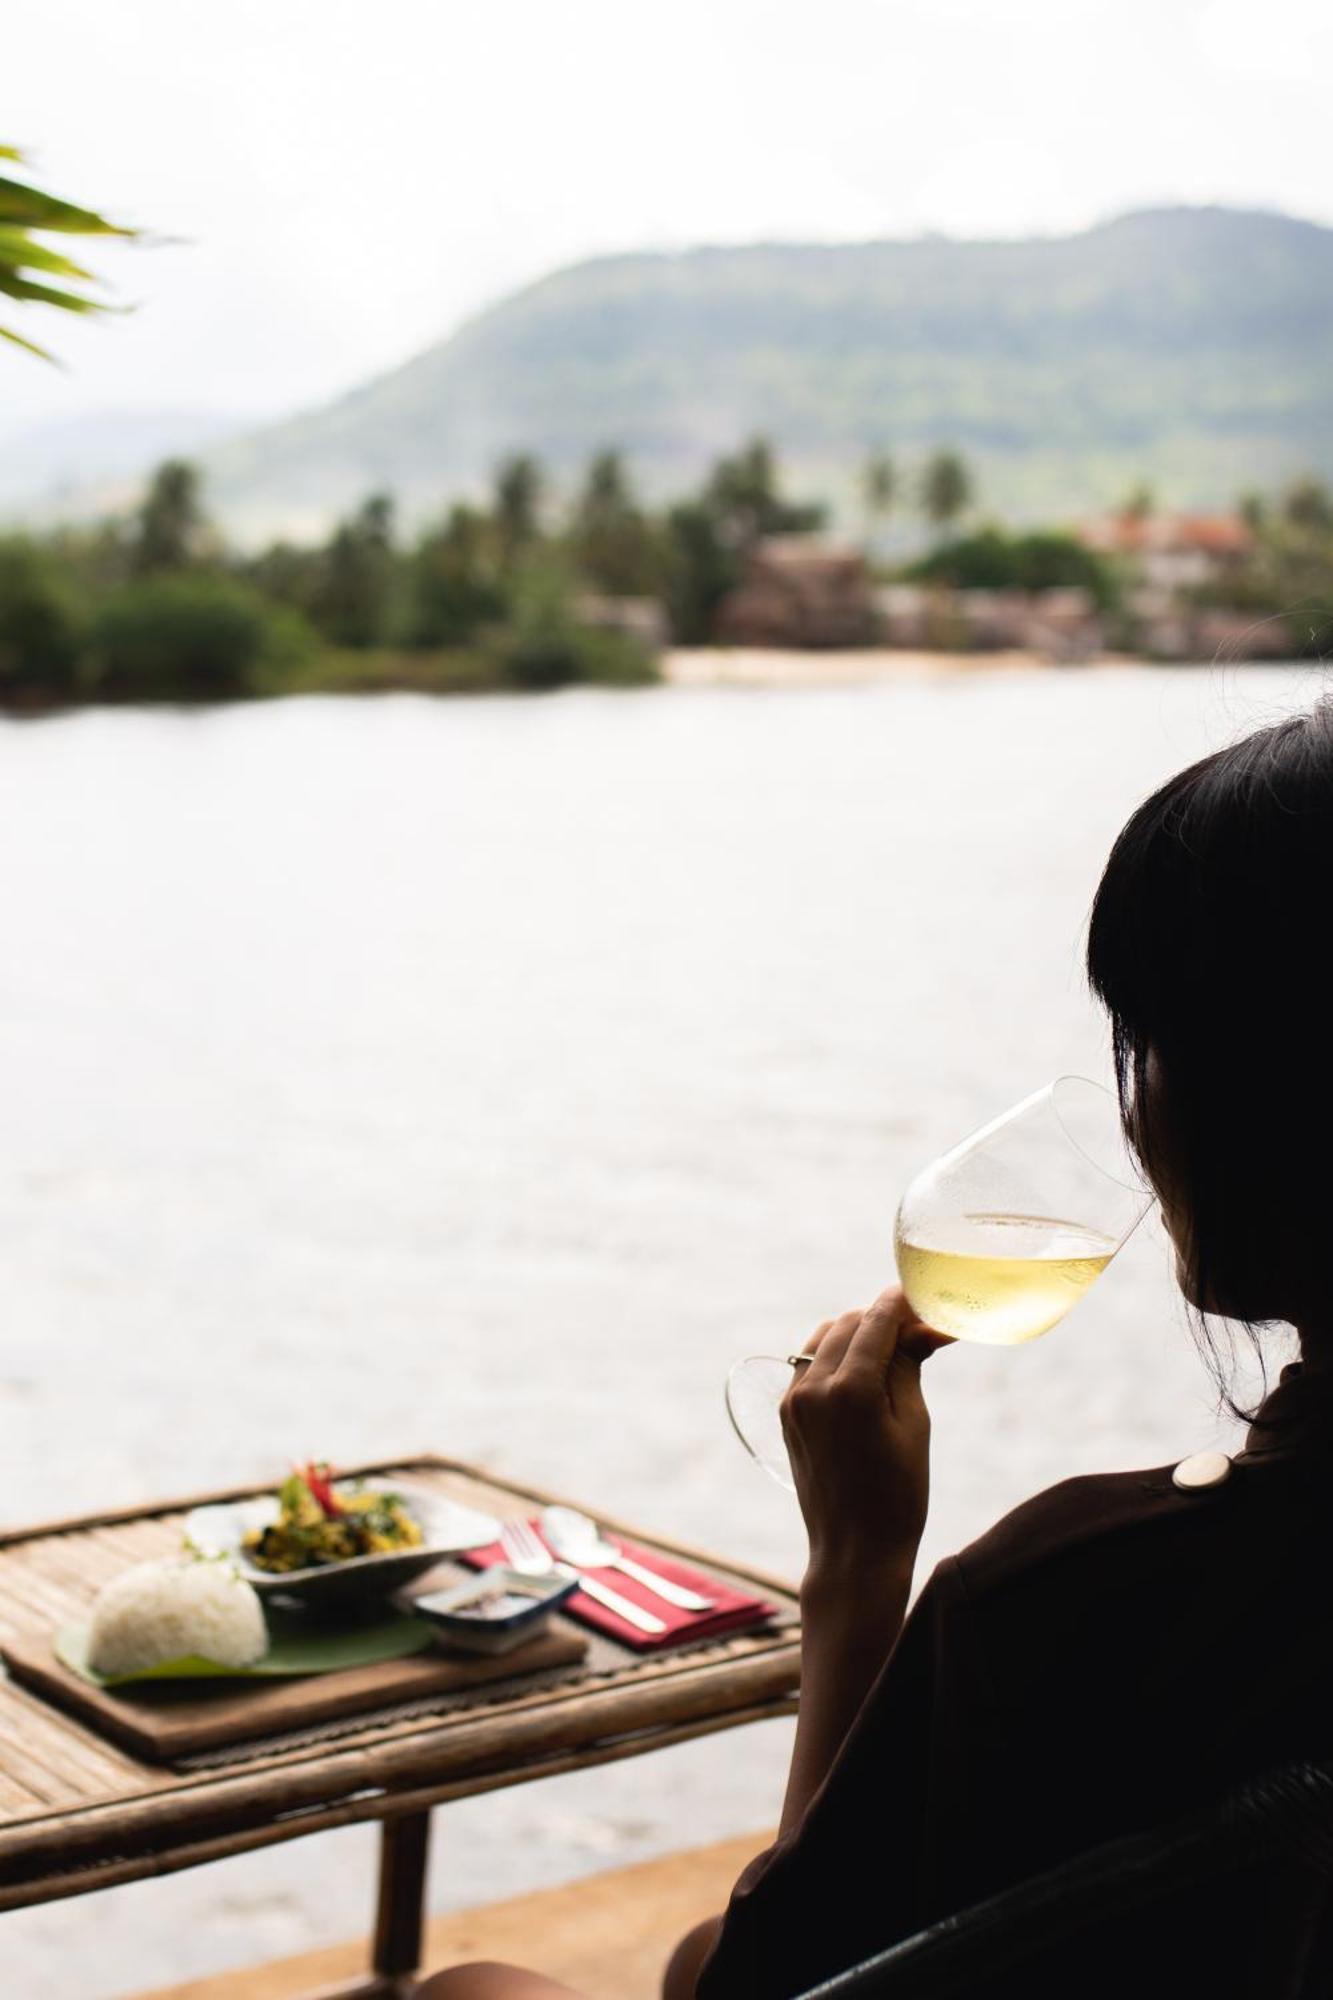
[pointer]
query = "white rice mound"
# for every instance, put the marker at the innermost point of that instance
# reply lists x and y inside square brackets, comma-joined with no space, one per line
[160,1611]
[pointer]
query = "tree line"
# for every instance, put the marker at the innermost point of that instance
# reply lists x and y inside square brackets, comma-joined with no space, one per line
[500,592]
[363,589]
[511,592]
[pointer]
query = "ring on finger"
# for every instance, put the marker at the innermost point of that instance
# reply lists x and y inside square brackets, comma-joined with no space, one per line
[799,1360]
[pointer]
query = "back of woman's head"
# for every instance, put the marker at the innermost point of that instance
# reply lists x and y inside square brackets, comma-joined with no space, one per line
[1210,948]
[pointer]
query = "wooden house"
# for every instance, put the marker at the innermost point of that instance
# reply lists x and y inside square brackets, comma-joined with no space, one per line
[798,591]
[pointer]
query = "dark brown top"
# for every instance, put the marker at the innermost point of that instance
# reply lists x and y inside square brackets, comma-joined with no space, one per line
[1111,1654]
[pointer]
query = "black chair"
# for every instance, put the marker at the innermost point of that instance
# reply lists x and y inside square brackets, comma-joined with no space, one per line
[1283,1821]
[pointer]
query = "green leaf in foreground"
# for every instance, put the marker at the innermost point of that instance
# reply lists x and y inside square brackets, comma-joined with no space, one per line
[8,333]
[36,209]
[38,256]
[26,214]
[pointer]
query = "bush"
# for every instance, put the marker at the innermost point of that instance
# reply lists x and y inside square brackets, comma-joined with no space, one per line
[194,638]
[543,644]
[536,659]
[398,670]
[993,560]
[43,629]
[615,659]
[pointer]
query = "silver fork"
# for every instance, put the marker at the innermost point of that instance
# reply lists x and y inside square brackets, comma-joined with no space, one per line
[526,1552]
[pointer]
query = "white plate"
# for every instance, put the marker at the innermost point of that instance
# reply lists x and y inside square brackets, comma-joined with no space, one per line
[447,1526]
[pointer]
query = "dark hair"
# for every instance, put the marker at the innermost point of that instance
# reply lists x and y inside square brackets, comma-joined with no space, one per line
[1208,946]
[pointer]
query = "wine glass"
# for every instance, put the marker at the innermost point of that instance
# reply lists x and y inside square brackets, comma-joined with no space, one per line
[994,1241]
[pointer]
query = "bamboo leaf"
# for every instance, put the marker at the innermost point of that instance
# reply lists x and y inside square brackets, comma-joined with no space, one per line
[27,213]
[8,333]
[19,252]
[46,295]
[36,210]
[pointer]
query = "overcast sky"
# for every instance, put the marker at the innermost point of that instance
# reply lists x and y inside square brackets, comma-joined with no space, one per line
[350,178]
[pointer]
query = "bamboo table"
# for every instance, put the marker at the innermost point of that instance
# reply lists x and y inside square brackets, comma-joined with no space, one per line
[77,1813]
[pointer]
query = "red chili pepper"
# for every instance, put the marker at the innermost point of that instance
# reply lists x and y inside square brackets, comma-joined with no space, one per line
[317,1479]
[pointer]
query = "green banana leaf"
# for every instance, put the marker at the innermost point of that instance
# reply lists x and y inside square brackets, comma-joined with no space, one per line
[296,1646]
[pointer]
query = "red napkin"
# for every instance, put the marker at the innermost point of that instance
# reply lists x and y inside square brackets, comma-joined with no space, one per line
[732,1610]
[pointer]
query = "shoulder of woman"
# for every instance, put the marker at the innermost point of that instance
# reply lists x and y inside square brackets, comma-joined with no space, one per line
[1099,1523]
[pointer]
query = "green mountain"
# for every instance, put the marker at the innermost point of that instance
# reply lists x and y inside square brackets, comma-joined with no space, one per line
[1189,347]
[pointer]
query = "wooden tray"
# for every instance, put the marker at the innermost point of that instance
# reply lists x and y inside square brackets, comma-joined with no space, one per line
[163,1721]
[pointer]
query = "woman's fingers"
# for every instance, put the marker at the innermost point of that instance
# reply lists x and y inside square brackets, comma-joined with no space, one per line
[877,1334]
[890,1338]
[832,1347]
[868,1342]
[812,1347]
[812,1344]
[921,1341]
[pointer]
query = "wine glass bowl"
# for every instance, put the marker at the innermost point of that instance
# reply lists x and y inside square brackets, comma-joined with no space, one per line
[995,1240]
[754,1393]
[1000,1236]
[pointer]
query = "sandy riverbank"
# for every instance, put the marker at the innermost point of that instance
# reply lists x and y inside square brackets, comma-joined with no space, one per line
[770,667]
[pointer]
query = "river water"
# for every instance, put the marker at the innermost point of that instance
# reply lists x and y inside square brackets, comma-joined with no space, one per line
[485,1076]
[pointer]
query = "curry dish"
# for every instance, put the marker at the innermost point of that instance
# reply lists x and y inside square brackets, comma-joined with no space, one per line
[319,1523]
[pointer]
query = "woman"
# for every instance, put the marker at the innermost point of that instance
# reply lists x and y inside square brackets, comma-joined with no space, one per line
[1122,1648]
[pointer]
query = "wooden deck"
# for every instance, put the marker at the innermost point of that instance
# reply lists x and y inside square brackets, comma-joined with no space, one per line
[608,1935]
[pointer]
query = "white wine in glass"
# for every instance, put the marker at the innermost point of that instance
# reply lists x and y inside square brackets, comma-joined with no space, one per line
[1001,1279]
[995,1240]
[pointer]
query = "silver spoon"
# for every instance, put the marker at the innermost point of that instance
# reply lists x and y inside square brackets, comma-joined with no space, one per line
[579,1541]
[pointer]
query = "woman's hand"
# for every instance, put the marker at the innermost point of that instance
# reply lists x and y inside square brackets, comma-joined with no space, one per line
[858,1434]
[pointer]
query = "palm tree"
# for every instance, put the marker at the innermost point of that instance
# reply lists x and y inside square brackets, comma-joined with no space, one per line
[879,491]
[946,488]
[1307,503]
[171,520]
[27,264]
[519,490]
[1139,504]
[612,539]
[1253,510]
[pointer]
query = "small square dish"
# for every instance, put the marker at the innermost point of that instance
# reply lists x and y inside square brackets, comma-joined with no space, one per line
[495,1610]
